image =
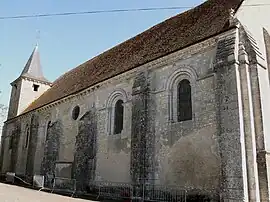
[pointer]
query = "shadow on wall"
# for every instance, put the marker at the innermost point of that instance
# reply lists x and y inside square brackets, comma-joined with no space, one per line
[114,166]
[192,161]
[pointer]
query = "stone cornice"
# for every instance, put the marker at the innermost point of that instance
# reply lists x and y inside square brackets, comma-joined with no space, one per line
[36,81]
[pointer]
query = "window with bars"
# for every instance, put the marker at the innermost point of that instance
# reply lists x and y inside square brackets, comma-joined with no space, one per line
[184,102]
[118,117]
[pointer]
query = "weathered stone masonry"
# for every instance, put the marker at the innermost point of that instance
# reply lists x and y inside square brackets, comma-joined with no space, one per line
[85,154]
[142,138]
[229,129]
[32,147]
[14,147]
[51,150]
[214,152]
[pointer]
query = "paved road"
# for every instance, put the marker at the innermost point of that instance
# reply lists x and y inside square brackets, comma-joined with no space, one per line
[9,193]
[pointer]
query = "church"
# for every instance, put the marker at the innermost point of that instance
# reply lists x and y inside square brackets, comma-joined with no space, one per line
[184,104]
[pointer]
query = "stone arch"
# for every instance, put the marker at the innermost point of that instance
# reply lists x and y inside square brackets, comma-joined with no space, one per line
[115,96]
[46,126]
[183,73]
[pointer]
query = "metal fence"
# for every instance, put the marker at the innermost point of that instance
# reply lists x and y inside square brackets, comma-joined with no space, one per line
[113,191]
[63,184]
[142,192]
[120,191]
[164,193]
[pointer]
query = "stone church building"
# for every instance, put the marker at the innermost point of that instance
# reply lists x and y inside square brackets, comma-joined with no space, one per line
[185,104]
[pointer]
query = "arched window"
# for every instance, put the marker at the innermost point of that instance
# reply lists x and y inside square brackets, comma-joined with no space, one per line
[118,117]
[184,108]
[11,140]
[47,130]
[27,137]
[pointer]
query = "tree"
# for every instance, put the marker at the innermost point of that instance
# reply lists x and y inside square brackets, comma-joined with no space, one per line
[3,115]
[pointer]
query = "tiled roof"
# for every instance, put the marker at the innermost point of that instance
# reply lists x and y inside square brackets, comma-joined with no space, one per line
[199,23]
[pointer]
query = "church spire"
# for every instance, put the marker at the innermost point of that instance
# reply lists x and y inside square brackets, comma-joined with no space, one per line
[28,87]
[33,68]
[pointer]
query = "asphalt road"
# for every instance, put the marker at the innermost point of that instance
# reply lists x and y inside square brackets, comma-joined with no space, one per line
[9,193]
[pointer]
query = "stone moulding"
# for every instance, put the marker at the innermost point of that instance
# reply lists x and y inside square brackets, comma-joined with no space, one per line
[113,97]
[184,72]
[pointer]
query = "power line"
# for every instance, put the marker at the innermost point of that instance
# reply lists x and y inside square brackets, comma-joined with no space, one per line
[107,11]
[91,12]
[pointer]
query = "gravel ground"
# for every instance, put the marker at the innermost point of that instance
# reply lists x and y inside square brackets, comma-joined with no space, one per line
[9,193]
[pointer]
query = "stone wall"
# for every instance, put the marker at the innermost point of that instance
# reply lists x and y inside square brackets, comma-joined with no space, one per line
[142,137]
[23,94]
[51,150]
[15,135]
[7,150]
[86,150]
[32,146]
[205,153]
[147,125]
[187,152]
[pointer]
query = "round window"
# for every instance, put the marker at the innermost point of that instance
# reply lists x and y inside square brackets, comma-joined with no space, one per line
[75,112]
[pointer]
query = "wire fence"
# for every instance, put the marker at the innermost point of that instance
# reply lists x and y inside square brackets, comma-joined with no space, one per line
[141,192]
[64,184]
[124,191]
[116,191]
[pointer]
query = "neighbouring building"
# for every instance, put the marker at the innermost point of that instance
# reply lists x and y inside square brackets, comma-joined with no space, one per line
[185,103]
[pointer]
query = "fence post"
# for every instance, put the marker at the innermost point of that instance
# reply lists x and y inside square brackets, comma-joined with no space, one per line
[53,184]
[143,192]
[98,190]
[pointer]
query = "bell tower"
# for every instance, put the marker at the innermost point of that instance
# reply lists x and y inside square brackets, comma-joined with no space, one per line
[28,86]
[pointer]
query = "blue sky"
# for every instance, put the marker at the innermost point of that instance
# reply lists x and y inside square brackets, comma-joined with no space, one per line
[66,42]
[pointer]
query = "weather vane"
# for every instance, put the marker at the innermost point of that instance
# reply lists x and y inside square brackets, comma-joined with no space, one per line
[37,32]
[37,37]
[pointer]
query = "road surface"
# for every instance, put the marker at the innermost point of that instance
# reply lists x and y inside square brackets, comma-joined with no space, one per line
[9,193]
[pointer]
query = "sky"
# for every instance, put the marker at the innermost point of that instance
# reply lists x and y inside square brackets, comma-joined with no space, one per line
[67,41]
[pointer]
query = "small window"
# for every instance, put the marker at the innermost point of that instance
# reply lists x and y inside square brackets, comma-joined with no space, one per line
[119,117]
[47,130]
[184,101]
[27,137]
[35,87]
[75,112]
[11,142]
